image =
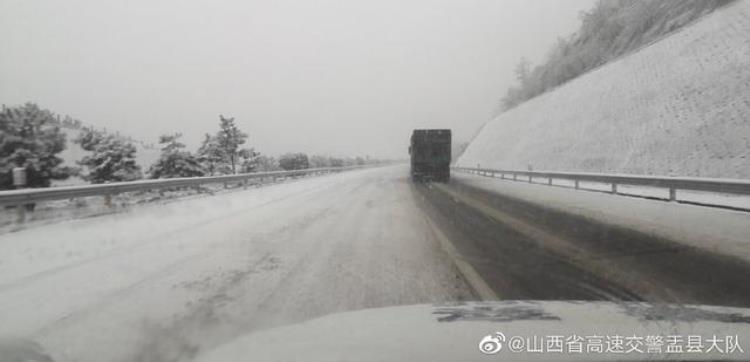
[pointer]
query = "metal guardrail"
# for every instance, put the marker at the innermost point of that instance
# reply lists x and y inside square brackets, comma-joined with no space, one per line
[34,195]
[716,185]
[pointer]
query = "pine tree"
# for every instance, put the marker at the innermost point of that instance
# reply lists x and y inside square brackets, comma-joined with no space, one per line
[174,161]
[112,158]
[210,155]
[30,138]
[230,138]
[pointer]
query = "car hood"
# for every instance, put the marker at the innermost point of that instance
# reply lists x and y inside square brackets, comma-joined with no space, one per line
[457,331]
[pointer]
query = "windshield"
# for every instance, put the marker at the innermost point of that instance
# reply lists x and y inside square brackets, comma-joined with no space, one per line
[194,181]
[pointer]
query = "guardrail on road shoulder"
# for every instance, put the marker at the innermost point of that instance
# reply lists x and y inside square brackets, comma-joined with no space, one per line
[716,185]
[34,195]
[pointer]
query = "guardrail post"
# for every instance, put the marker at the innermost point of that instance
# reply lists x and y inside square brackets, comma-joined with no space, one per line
[576,184]
[529,178]
[244,184]
[108,200]
[672,194]
[549,181]
[19,182]
[20,214]
[614,188]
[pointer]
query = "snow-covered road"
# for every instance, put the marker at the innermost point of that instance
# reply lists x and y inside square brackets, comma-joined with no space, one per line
[169,281]
[165,281]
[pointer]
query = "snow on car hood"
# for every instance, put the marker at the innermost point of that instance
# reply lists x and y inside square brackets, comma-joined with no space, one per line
[508,330]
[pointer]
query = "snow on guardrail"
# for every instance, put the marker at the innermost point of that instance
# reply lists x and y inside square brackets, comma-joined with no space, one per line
[713,185]
[33,195]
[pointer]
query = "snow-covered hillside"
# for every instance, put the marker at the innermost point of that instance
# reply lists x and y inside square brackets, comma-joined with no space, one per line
[680,106]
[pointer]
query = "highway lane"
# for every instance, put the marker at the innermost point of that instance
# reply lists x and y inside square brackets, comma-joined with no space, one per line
[165,282]
[525,250]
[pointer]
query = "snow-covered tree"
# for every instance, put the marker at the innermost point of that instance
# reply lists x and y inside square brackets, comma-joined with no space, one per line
[112,159]
[210,155]
[222,153]
[336,162]
[174,160]
[523,69]
[266,163]
[318,161]
[248,159]
[294,161]
[30,138]
[230,138]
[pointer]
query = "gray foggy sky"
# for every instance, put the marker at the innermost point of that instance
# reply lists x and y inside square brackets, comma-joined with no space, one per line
[333,77]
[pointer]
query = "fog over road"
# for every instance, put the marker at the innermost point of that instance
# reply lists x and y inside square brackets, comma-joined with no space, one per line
[167,281]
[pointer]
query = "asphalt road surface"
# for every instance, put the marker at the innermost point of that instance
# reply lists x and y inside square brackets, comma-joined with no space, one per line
[167,281]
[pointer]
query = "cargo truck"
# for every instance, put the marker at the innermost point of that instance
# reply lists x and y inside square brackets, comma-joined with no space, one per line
[430,152]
